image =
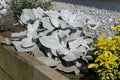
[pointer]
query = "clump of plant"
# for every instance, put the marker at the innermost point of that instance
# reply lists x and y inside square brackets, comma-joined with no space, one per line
[18,5]
[4,5]
[60,35]
[107,56]
[7,22]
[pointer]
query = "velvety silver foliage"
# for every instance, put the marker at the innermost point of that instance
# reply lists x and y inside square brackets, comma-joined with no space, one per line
[60,35]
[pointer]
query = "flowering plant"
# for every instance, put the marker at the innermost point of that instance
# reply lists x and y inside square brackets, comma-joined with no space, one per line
[107,56]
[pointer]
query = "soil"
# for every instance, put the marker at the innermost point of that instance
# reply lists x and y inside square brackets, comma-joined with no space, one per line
[13,29]
[91,75]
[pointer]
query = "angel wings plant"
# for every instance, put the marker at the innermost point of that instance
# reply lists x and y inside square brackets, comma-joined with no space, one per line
[59,34]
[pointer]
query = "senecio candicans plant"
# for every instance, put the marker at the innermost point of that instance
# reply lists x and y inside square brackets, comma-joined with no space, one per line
[107,56]
[60,35]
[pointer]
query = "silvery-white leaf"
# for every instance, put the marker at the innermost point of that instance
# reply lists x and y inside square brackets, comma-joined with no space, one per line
[82,49]
[74,36]
[49,54]
[38,13]
[70,57]
[79,41]
[89,34]
[76,43]
[68,69]
[44,33]
[16,39]
[17,45]
[72,18]
[85,44]
[29,13]
[24,18]
[54,52]
[6,41]
[47,24]
[66,14]
[64,42]
[27,42]
[37,52]
[111,22]
[63,24]
[54,22]
[78,64]
[80,16]
[77,24]
[62,50]
[63,37]
[53,14]
[51,41]
[40,30]
[19,48]
[89,40]
[49,61]
[89,57]
[35,25]
[63,33]
[20,34]
[30,30]
[73,55]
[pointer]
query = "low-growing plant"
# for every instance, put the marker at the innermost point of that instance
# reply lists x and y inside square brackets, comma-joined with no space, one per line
[107,56]
[4,5]
[60,35]
[18,5]
[7,22]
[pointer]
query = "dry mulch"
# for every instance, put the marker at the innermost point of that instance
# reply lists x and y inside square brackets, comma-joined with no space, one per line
[13,29]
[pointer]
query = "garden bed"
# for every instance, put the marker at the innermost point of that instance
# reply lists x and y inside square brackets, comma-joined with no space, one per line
[22,66]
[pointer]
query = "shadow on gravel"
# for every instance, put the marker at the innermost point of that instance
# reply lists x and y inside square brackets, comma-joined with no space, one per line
[113,5]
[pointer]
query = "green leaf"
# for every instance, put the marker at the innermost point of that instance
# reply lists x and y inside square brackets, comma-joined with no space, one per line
[99,70]
[113,58]
[92,65]
[113,63]
[107,65]
[102,63]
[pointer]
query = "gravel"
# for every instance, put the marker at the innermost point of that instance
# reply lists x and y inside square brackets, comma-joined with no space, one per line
[95,8]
